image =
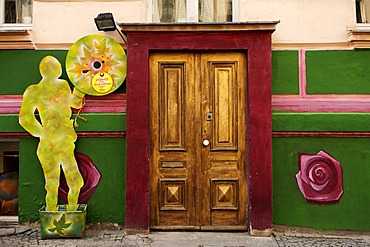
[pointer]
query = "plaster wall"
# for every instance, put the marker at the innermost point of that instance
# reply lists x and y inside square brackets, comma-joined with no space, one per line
[303,21]
[66,22]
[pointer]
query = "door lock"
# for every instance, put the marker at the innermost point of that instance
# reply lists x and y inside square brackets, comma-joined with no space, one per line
[209,116]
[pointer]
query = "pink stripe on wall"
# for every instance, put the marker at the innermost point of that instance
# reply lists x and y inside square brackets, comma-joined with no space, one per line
[321,103]
[302,72]
[112,103]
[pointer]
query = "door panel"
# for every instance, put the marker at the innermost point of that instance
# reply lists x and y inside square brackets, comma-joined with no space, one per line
[171,116]
[222,102]
[224,159]
[198,141]
[172,159]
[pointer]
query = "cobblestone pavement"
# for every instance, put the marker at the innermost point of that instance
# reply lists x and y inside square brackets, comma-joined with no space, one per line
[317,240]
[25,236]
[29,235]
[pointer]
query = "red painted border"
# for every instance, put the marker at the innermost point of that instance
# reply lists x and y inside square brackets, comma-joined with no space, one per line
[319,134]
[257,44]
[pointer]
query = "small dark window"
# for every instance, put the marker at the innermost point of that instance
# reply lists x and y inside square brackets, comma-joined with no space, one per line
[10,12]
[9,174]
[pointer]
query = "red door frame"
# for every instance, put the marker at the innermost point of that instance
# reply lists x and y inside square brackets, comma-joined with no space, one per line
[252,38]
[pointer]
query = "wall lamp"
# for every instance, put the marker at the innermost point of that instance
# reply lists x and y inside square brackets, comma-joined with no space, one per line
[105,22]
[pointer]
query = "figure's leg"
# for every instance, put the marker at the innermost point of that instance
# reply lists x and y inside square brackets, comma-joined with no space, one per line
[51,170]
[74,179]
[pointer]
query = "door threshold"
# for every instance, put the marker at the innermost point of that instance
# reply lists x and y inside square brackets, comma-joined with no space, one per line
[225,228]
[201,228]
[175,228]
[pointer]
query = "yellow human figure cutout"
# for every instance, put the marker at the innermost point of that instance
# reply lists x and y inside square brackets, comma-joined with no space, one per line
[53,99]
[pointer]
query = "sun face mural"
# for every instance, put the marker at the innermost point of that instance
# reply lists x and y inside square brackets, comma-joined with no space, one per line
[96,65]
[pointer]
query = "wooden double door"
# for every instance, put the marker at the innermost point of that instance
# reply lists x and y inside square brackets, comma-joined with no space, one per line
[198,141]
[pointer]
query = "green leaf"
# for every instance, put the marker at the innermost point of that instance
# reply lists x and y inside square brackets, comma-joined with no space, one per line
[60,225]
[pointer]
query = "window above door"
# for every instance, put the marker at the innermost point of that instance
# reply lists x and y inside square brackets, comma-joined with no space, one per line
[15,14]
[362,11]
[193,11]
[359,36]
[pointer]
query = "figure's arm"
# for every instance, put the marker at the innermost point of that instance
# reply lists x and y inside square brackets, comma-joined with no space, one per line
[27,118]
[77,99]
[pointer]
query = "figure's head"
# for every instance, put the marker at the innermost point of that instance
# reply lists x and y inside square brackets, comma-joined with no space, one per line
[50,67]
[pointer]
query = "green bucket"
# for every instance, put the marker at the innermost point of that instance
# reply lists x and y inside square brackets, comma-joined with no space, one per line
[63,223]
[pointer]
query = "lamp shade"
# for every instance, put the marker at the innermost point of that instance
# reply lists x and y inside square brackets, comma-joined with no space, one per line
[105,22]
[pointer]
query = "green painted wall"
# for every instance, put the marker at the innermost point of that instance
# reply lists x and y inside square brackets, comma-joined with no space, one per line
[320,121]
[95,122]
[108,202]
[20,68]
[327,72]
[285,72]
[108,154]
[338,72]
[290,207]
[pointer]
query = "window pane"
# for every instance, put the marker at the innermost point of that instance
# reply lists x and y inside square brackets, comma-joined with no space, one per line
[215,10]
[18,11]
[363,11]
[169,10]
[10,12]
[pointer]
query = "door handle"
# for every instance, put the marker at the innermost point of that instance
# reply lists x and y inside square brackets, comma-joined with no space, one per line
[205,143]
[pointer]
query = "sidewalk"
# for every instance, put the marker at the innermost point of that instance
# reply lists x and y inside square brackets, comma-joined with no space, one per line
[19,235]
[321,240]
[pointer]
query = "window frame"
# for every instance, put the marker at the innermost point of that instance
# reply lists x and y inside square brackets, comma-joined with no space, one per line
[11,26]
[192,10]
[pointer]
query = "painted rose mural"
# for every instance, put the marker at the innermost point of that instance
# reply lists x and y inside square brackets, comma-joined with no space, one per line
[320,178]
